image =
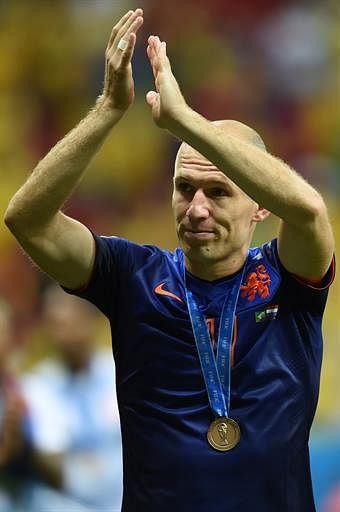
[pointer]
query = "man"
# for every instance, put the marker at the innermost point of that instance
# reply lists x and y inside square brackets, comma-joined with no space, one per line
[28,479]
[73,417]
[19,462]
[215,422]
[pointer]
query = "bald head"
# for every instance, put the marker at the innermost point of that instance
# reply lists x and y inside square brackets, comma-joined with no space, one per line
[241,131]
[235,129]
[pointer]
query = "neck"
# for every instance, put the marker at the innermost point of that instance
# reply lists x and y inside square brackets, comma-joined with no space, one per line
[210,271]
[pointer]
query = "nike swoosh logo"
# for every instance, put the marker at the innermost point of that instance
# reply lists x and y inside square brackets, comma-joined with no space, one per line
[159,289]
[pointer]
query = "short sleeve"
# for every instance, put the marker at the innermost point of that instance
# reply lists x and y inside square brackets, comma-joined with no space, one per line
[300,292]
[116,261]
[112,260]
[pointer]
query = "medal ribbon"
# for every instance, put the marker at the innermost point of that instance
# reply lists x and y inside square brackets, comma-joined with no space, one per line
[216,372]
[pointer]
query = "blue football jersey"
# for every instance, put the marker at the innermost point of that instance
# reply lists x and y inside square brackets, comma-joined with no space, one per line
[276,358]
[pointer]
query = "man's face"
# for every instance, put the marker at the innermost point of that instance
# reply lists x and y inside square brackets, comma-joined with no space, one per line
[214,218]
[70,324]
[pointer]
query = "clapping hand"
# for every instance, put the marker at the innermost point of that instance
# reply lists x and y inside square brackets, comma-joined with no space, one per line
[166,101]
[118,90]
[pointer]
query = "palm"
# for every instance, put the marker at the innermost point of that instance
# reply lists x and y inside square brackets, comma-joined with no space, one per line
[118,84]
[167,97]
[123,89]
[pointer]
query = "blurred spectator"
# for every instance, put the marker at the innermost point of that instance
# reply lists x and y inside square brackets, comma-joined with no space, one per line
[23,469]
[325,464]
[73,417]
[12,413]
[332,503]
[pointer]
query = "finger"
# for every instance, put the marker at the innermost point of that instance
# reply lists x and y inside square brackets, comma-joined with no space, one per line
[157,43]
[151,98]
[130,40]
[160,49]
[151,52]
[148,52]
[152,44]
[117,27]
[163,54]
[128,52]
[129,26]
[153,67]
[136,25]
[122,26]
[121,50]
[149,49]
[157,52]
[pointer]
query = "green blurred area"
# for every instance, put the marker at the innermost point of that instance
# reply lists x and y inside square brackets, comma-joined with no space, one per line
[232,61]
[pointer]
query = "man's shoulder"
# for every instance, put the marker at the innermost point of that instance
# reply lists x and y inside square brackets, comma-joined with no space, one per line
[264,259]
[266,251]
[264,265]
[120,247]
[121,243]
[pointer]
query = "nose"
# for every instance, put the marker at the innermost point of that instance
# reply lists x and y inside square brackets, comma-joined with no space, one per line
[198,208]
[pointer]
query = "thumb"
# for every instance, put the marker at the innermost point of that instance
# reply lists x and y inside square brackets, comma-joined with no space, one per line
[151,98]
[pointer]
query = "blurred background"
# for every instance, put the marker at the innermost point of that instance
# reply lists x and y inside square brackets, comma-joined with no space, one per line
[272,64]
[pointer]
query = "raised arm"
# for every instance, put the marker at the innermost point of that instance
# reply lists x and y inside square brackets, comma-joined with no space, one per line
[305,239]
[58,244]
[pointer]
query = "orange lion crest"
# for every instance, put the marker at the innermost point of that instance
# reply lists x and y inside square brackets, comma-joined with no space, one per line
[257,282]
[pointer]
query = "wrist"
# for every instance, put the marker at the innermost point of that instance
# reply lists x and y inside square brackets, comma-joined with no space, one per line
[180,117]
[105,108]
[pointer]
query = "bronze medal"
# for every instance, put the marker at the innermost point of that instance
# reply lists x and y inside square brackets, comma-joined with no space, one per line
[223,434]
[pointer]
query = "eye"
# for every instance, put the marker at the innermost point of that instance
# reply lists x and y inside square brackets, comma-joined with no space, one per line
[218,192]
[184,187]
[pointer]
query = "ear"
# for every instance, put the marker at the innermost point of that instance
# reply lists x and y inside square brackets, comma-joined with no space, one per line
[260,214]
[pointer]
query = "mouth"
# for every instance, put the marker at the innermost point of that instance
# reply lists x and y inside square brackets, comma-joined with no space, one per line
[193,234]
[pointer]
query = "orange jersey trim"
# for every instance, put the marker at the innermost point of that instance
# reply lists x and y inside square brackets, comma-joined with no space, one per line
[211,328]
[319,284]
